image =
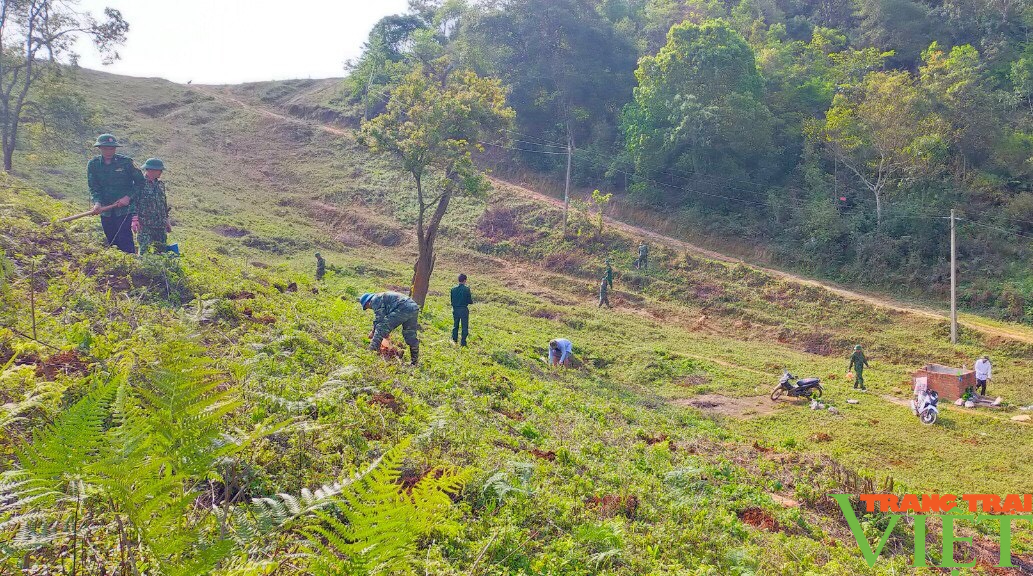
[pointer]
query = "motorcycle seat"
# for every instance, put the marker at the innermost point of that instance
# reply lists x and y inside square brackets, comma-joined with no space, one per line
[807,382]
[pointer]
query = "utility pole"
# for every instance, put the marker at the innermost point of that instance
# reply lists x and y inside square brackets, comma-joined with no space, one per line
[566,188]
[954,284]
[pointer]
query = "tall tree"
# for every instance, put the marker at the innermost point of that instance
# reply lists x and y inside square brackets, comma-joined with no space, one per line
[698,109]
[883,131]
[35,36]
[568,70]
[904,26]
[434,121]
[954,83]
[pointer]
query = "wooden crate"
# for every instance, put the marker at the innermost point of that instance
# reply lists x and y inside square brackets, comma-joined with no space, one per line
[950,383]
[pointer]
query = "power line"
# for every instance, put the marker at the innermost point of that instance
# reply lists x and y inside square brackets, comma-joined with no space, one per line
[760,191]
[607,160]
[657,182]
[997,228]
[760,202]
[730,198]
[919,215]
[492,144]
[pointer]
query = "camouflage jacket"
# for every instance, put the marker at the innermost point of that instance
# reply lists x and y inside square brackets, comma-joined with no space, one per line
[389,306]
[111,181]
[152,205]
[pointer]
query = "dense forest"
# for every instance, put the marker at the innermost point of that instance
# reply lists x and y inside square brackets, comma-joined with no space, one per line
[838,134]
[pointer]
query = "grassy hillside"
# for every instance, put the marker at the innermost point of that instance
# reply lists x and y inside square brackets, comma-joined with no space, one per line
[653,457]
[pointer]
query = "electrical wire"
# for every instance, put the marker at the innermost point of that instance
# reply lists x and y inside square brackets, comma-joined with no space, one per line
[543,142]
[997,228]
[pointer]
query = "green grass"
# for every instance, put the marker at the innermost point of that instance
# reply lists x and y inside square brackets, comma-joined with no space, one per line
[688,326]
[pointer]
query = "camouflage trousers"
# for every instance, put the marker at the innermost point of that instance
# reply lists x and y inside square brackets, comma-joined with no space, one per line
[408,319]
[152,240]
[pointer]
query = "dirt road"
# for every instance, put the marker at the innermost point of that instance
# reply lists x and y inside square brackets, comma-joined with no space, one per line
[989,327]
[1011,332]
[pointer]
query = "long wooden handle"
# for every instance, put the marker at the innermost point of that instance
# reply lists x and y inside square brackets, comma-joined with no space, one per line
[90,212]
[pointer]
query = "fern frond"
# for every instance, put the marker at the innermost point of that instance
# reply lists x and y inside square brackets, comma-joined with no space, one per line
[271,513]
[50,468]
[375,523]
[64,449]
[11,413]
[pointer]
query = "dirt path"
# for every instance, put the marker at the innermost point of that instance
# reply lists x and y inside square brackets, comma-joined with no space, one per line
[733,406]
[1017,333]
[1010,332]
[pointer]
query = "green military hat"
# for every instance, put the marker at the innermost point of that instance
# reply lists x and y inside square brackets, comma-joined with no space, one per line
[153,164]
[106,140]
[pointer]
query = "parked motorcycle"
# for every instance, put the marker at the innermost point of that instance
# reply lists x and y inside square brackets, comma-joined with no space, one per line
[794,387]
[925,405]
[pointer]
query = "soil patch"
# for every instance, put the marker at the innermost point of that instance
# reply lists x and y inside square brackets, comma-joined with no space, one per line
[612,505]
[511,414]
[544,455]
[987,555]
[821,437]
[261,318]
[758,518]
[693,380]
[410,477]
[358,224]
[387,400]
[69,363]
[734,406]
[652,438]
[230,231]
[787,502]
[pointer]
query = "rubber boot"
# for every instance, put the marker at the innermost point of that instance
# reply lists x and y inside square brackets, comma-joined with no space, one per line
[414,351]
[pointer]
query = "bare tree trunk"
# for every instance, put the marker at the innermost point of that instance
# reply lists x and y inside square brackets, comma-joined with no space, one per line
[426,258]
[878,207]
[876,187]
[421,273]
[9,153]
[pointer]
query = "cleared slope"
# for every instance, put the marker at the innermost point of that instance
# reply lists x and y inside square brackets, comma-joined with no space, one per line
[249,187]
[304,102]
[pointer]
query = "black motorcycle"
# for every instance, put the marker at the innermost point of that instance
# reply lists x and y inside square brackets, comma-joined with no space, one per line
[806,388]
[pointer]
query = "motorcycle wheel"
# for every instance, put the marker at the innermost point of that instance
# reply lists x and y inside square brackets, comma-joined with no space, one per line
[777,392]
[817,391]
[928,417]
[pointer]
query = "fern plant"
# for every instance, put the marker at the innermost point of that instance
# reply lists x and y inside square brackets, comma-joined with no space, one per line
[373,527]
[121,463]
[368,523]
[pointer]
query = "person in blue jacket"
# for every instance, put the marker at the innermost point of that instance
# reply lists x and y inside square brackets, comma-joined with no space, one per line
[561,352]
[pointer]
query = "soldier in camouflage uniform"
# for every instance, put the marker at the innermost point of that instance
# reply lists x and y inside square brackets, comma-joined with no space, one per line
[643,256]
[604,293]
[114,181]
[151,221]
[320,266]
[858,362]
[391,310]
